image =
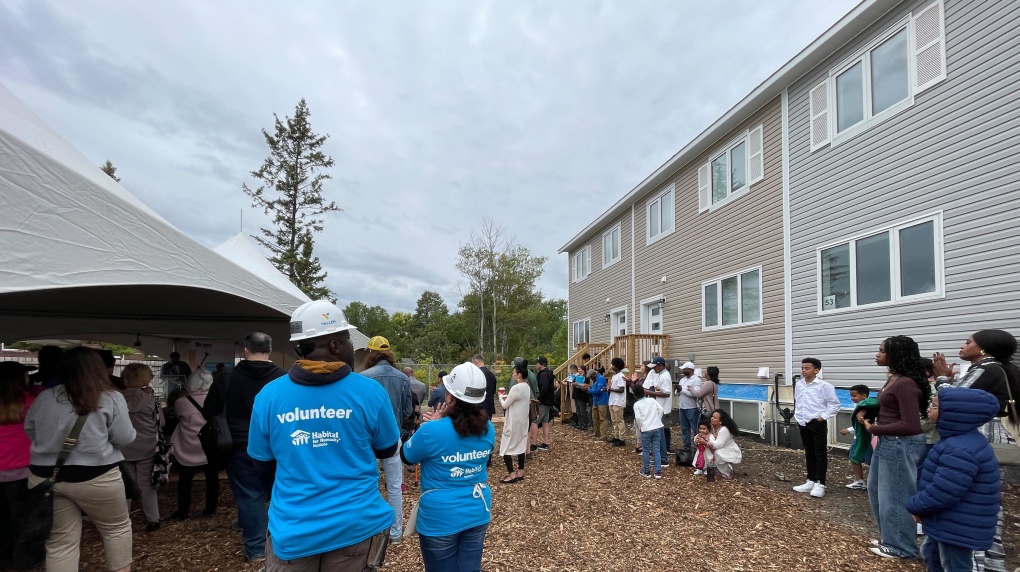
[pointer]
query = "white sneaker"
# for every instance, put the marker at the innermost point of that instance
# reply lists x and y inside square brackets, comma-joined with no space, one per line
[807,487]
[920,529]
[699,472]
[858,486]
[818,491]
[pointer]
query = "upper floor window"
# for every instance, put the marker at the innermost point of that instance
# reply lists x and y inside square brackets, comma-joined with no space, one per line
[895,264]
[732,170]
[611,246]
[660,216]
[582,264]
[733,300]
[881,79]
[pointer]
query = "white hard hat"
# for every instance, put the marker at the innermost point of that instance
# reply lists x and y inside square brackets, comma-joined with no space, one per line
[466,382]
[318,318]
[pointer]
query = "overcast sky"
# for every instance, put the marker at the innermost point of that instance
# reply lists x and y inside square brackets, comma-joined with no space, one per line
[540,114]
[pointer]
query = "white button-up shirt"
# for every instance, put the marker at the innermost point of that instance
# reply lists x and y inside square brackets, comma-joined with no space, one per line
[815,399]
[687,385]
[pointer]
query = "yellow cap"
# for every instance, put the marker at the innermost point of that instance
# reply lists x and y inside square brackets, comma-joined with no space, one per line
[379,343]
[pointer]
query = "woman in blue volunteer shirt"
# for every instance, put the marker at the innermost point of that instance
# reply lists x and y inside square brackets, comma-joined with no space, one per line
[453,448]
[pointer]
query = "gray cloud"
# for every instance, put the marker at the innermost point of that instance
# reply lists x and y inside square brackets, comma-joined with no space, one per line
[538,114]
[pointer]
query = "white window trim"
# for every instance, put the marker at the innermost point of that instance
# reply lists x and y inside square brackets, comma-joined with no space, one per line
[863,56]
[649,302]
[573,331]
[619,228]
[649,239]
[576,258]
[894,263]
[734,195]
[705,193]
[613,325]
[740,295]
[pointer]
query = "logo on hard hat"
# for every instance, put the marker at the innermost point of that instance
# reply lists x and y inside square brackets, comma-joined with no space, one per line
[328,321]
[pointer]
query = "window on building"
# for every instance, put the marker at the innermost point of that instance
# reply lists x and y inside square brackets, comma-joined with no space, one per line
[611,246]
[582,264]
[660,215]
[732,170]
[881,79]
[875,83]
[582,331]
[895,264]
[733,300]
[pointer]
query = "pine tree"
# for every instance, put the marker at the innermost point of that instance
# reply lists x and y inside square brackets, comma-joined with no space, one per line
[109,169]
[291,191]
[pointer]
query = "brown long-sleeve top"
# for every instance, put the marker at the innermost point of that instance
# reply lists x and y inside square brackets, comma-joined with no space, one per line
[898,413]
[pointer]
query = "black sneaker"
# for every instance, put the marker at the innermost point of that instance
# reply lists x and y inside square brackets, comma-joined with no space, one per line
[152,526]
[534,448]
[619,443]
[543,447]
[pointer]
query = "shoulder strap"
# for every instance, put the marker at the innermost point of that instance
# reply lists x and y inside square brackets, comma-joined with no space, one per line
[1010,402]
[68,446]
[197,406]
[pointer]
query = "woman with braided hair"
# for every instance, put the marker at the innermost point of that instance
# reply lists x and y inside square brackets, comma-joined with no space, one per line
[990,353]
[893,477]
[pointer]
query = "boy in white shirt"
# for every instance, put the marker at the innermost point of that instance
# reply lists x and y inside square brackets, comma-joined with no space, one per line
[648,419]
[618,402]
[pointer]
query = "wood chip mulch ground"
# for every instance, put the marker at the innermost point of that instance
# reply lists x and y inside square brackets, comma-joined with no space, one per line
[583,507]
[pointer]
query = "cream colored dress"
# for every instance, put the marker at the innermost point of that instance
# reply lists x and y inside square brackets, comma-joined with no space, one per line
[516,406]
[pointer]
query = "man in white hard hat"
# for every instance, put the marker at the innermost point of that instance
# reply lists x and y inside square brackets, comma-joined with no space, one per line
[325,426]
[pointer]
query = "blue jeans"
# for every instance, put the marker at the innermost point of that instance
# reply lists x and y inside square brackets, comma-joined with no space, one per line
[651,444]
[893,480]
[689,425]
[941,557]
[460,552]
[394,471]
[251,488]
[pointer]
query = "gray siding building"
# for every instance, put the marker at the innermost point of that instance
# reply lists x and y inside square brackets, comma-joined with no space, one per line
[904,180]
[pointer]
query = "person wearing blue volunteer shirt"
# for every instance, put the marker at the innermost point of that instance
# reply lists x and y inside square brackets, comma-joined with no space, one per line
[599,403]
[453,448]
[325,426]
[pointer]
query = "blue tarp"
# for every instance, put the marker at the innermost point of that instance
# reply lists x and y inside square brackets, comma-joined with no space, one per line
[844,399]
[744,392]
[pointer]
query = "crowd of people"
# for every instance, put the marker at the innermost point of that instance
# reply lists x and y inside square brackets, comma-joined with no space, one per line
[600,407]
[931,439]
[96,443]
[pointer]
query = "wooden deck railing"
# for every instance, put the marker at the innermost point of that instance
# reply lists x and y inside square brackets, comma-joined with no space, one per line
[633,348]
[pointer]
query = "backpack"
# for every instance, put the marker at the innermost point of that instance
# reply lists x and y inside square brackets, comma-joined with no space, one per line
[214,436]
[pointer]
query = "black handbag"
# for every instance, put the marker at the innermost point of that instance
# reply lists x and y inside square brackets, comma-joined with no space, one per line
[214,436]
[37,502]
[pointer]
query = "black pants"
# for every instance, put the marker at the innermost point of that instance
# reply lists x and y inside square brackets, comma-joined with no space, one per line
[815,436]
[581,412]
[25,553]
[185,475]
[509,460]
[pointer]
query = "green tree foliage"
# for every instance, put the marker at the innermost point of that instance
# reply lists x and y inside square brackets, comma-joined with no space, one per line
[110,170]
[370,320]
[501,292]
[291,183]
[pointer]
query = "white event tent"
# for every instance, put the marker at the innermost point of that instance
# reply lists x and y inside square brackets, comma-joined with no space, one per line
[81,257]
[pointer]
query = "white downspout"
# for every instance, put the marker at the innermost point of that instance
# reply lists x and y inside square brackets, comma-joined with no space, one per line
[787,268]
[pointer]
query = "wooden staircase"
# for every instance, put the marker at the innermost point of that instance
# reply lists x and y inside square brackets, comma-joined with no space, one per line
[633,348]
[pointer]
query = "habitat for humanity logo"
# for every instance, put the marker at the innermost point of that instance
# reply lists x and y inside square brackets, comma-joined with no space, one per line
[459,457]
[328,321]
[300,437]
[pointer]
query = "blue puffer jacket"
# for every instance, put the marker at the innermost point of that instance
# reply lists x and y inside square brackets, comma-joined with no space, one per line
[960,491]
